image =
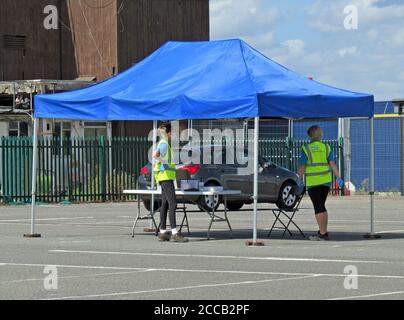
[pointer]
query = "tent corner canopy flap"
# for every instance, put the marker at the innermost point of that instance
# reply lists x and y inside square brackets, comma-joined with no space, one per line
[205,80]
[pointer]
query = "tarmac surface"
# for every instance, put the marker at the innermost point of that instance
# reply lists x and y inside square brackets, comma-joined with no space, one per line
[90,249]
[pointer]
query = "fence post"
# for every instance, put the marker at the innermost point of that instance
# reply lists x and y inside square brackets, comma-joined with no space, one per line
[401,151]
[289,146]
[103,172]
[341,162]
[2,168]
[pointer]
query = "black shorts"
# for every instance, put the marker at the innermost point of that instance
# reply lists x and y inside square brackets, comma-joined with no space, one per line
[318,196]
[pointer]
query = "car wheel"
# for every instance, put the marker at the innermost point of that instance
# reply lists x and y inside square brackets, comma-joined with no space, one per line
[207,203]
[234,206]
[147,205]
[286,200]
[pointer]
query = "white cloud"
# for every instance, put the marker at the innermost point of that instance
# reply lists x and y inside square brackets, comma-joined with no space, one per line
[241,18]
[373,34]
[369,59]
[329,16]
[217,6]
[263,40]
[401,76]
[375,50]
[398,37]
[295,47]
[288,52]
[344,52]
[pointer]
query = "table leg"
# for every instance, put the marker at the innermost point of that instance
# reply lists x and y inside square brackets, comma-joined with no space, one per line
[185,217]
[137,216]
[227,219]
[155,224]
[212,217]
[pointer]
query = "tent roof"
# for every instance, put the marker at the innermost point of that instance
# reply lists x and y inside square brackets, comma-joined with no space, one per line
[205,80]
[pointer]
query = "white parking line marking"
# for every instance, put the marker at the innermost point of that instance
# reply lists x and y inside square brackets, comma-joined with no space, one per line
[370,295]
[82,276]
[4,264]
[367,243]
[73,241]
[66,225]
[68,266]
[391,231]
[179,288]
[46,219]
[222,257]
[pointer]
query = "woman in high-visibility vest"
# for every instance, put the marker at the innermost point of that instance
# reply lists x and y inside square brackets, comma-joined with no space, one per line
[317,163]
[165,175]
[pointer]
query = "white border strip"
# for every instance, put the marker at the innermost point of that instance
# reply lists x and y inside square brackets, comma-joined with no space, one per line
[297,274]
[221,257]
[370,295]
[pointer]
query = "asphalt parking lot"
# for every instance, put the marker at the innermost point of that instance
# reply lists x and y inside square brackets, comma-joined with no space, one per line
[96,258]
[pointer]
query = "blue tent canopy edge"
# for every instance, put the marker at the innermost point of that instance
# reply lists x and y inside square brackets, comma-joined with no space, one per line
[205,80]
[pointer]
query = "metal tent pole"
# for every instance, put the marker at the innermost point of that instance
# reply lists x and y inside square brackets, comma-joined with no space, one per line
[190,129]
[33,188]
[402,154]
[153,180]
[372,234]
[255,241]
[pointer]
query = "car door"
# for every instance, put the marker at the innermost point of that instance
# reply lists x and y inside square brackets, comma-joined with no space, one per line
[268,180]
[234,179]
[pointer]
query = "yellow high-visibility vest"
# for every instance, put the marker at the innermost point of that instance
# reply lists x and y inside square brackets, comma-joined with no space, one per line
[317,171]
[165,170]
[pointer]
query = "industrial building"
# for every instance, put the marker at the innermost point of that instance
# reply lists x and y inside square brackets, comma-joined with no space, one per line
[94,40]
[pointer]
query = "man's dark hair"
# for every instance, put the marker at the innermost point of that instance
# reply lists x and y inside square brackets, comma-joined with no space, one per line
[315,132]
[166,126]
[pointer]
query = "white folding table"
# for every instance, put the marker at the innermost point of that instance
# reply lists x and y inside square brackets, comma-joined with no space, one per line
[185,196]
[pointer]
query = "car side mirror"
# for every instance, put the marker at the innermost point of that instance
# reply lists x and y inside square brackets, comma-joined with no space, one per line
[263,167]
[267,165]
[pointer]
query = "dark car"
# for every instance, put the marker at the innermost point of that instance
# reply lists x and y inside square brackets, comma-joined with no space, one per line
[275,182]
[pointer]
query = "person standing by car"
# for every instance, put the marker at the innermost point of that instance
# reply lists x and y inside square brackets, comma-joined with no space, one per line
[316,163]
[165,175]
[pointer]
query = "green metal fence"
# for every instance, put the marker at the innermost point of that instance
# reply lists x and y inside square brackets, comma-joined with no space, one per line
[76,170]
[98,169]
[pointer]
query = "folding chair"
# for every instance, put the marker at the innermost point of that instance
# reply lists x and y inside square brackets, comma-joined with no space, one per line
[288,215]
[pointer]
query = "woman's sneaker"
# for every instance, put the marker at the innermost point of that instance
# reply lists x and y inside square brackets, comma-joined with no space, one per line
[320,237]
[178,238]
[164,237]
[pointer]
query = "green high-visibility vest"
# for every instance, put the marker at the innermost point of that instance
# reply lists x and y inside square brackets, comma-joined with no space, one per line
[165,170]
[317,171]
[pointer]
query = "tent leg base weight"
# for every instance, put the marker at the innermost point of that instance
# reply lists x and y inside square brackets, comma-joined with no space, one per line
[35,235]
[372,236]
[149,230]
[252,243]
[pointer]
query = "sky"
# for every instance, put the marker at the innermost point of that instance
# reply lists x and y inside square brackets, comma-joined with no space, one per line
[309,37]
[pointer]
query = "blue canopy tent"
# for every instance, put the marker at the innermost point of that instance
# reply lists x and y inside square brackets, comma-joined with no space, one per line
[204,80]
